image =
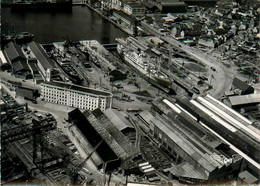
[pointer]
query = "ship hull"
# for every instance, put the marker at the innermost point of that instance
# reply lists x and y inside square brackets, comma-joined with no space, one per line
[41,5]
[156,81]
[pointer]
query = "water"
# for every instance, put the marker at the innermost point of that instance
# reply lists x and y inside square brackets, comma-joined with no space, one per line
[79,23]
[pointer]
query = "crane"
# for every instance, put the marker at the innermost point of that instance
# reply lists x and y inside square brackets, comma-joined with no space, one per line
[79,167]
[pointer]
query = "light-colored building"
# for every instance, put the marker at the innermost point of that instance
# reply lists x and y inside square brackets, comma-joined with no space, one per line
[134,9]
[75,96]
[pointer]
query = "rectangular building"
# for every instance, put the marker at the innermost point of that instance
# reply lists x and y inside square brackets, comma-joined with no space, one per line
[134,9]
[75,96]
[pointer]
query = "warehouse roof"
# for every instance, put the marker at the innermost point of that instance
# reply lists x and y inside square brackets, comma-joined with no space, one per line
[245,99]
[13,51]
[20,66]
[77,88]
[118,142]
[185,169]
[93,137]
[184,143]
[41,55]
[117,119]
[242,85]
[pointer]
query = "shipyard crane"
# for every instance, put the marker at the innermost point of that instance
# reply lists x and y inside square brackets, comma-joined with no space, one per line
[79,167]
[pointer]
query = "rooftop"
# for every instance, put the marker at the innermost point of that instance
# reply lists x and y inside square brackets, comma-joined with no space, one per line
[41,55]
[117,119]
[76,88]
[93,137]
[20,66]
[13,51]
[245,99]
[118,142]
[241,85]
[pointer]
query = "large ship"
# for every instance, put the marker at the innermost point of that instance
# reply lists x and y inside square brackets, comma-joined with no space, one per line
[148,68]
[42,5]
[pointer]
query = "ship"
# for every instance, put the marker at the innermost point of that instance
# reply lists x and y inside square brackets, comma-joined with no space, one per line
[22,38]
[41,5]
[142,64]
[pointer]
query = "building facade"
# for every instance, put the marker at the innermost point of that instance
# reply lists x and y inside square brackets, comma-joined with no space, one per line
[134,9]
[75,96]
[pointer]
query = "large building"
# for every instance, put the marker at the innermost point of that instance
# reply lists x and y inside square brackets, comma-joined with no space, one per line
[134,9]
[94,130]
[15,57]
[198,155]
[75,96]
[46,65]
[208,114]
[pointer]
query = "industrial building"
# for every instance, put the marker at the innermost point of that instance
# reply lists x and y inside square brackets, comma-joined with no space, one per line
[199,156]
[244,87]
[169,6]
[90,140]
[96,133]
[75,96]
[14,56]
[45,64]
[119,120]
[238,102]
[134,9]
[200,2]
[218,119]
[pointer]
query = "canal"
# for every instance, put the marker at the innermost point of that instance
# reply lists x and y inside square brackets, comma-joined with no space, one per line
[79,23]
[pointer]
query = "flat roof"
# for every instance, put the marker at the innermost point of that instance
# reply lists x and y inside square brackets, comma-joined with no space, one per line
[76,88]
[244,99]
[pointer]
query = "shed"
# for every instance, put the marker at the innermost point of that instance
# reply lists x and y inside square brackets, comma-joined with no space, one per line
[246,89]
[118,120]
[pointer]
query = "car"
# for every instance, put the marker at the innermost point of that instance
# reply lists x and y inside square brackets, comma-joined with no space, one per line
[34,101]
[212,68]
[195,90]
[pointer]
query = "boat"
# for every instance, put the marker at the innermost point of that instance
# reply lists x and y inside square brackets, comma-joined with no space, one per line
[41,5]
[143,65]
[22,38]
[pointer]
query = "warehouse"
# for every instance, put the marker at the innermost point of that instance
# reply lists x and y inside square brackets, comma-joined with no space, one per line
[119,120]
[244,87]
[45,64]
[16,58]
[104,157]
[238,102]
[197,157]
